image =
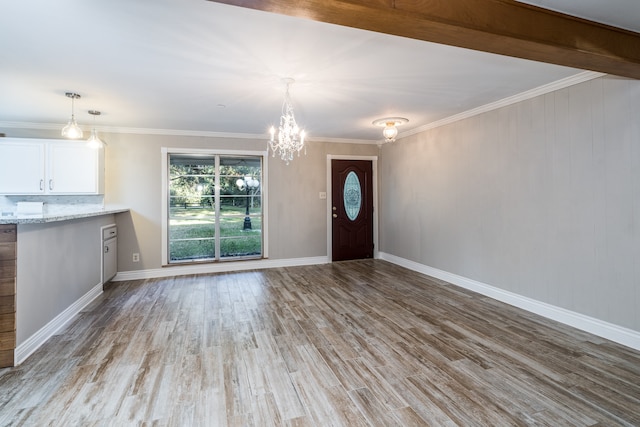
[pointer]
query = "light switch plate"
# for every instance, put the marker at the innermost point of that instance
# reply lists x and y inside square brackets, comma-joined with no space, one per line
[323,195]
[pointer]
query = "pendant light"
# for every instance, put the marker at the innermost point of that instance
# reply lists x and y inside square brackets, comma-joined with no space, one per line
[94,141]
[72,130]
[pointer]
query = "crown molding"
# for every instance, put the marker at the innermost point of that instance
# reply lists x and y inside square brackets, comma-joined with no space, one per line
[138,131]
[343,140]
[523,96]
[174,132]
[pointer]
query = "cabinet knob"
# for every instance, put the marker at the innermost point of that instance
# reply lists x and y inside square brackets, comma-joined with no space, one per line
[106,249]
[335,215]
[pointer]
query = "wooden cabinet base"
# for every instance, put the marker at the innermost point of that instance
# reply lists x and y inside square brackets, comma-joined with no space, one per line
[6,358]
[8,238]
[7,304]
[8,322]
[8,340]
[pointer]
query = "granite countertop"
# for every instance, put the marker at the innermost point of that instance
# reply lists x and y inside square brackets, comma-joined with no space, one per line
[61,216]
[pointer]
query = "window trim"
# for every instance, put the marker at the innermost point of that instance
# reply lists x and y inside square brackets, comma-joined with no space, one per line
[164,199]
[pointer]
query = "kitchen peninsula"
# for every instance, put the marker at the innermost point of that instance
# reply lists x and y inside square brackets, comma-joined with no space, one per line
[50,268]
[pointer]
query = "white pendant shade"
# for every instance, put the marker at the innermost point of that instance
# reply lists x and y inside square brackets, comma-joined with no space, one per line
[72,130]
[94,140]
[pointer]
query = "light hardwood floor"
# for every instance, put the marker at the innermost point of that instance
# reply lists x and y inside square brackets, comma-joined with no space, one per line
[354,344]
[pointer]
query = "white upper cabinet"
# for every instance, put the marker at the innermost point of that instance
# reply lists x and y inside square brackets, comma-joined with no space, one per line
[21,167]
[72,168]
[45,166]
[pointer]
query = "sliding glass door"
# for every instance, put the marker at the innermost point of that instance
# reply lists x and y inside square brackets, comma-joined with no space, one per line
[214,207]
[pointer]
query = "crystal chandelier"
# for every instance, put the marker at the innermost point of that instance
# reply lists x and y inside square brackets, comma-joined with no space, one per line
[290,138]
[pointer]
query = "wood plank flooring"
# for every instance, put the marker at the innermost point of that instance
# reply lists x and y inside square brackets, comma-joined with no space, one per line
[346,344]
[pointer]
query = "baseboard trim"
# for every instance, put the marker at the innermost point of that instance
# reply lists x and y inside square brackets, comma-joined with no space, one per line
[36,340]
[220,267]
[618,334]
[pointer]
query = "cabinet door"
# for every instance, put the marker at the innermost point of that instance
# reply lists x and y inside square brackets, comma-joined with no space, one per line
[22,167]
[109,259]
[73,168]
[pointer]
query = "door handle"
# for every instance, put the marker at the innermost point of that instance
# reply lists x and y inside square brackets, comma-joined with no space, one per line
[50,184]
[41,184]
[106,249]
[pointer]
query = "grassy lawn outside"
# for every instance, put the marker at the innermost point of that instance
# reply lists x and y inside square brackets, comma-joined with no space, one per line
[192,233]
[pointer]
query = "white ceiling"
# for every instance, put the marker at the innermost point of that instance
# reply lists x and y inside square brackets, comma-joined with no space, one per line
[203,67]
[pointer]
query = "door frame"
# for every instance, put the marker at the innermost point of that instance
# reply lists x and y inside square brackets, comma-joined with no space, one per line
[374,168]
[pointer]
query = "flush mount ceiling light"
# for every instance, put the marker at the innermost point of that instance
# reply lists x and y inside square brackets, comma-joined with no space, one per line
[290,138]
[94,141]
[390,131]
[72,130]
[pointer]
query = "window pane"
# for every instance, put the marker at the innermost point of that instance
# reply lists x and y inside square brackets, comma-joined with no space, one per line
[191,207]
[192,191]
[241,246]
[240,192]
[188,224]
[352,196]
[238,205]
[186,250]
[234,184]
[239,165]
[189,164]
[233,226]
[203,208]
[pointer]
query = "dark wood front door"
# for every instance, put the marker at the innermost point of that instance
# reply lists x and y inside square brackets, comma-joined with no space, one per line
[352,209]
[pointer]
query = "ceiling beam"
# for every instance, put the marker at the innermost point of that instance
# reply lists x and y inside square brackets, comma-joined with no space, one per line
[504,27]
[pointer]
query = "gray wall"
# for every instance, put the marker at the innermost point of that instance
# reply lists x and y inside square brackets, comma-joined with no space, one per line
[297,216]
[540,198]
[58,263]
[297,221]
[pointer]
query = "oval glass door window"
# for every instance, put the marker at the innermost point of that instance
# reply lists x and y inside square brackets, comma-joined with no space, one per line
[352,194]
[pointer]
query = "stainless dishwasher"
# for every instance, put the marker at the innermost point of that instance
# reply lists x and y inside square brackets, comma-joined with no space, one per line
[109,252]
